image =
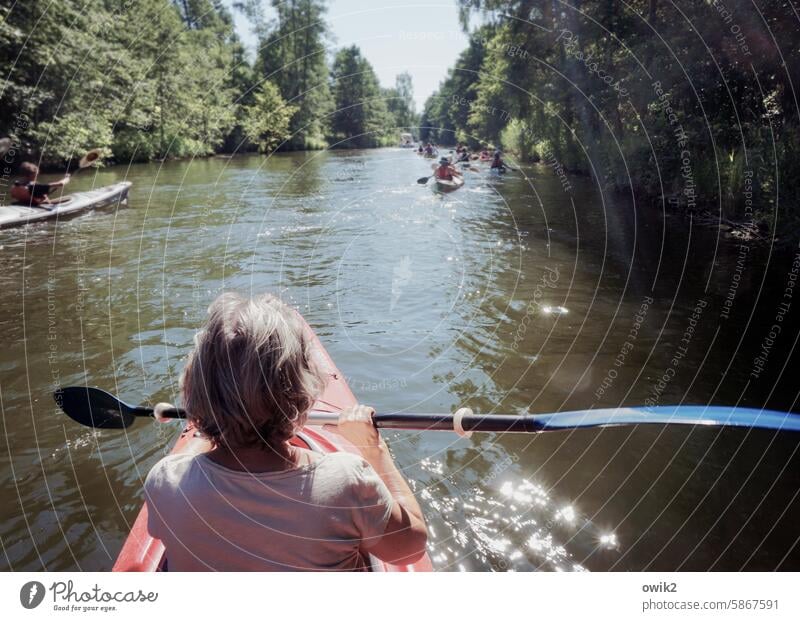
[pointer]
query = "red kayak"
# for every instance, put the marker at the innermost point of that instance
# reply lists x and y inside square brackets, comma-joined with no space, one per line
[141,552]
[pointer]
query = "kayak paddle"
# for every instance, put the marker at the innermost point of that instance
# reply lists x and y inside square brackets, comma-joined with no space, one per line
[96,408]
[87,160]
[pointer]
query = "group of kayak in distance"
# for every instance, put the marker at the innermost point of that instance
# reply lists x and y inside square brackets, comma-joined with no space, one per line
[462,155]
[447,177]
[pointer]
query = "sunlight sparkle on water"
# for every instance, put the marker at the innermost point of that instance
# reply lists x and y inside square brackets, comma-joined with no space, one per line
[567,514]
[512,525]
[609,540]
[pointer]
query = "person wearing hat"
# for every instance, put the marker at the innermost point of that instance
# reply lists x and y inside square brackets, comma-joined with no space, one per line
[445,170]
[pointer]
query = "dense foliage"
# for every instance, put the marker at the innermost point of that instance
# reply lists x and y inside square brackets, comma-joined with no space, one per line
[344,107]
[266,122]
[143,79]
[693,103]
[361,115]
[153,79]
[292,54]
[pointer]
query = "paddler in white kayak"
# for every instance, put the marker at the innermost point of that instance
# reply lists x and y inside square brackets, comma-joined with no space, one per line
[253,499]
[445,170]
[27,191]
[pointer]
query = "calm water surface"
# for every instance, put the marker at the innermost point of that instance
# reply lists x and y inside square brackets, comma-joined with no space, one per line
[510,295]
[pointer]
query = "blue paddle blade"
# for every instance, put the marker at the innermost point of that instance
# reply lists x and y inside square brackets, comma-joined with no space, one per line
[671,415]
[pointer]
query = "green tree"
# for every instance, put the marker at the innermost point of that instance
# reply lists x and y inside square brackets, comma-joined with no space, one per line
[446,113]
[266,122]
[361,118]
[400,103]
[692,104]
[148,79]
[292,55]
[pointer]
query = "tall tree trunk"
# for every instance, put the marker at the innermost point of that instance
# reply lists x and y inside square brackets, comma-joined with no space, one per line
[186,14]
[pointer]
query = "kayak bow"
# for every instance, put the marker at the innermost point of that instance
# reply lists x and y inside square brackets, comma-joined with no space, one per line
[448,185]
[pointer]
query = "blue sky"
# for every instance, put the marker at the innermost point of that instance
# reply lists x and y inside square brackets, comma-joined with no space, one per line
[423,37]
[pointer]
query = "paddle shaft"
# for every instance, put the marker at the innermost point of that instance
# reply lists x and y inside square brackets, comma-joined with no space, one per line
[412,421]
[418,421]
[81,165]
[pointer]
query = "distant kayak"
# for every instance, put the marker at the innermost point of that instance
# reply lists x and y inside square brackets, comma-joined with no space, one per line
[451,185]
[18,215]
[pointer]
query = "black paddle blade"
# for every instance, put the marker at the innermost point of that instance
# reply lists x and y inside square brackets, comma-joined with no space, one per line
[94,407]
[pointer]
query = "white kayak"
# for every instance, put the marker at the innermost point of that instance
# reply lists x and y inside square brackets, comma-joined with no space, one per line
[444,185]
[17,215]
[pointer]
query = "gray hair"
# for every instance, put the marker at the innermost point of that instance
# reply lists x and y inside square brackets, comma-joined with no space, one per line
[250,380]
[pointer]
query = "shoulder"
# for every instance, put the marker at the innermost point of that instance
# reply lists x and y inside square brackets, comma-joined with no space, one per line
[349,468]
[349,471]
[168,472]
[344,462]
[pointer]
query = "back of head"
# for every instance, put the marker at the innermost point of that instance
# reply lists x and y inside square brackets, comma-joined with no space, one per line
[29,170]
[250,380]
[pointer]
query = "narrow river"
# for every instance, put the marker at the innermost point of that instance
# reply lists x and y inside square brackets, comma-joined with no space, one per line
[512,294]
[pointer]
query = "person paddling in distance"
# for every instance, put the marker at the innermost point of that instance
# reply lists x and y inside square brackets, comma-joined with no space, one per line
[445,170]
[497,162]
[462,155]
[253,501]
[27,191]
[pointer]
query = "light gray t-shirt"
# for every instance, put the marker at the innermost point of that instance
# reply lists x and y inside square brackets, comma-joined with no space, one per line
[315,517]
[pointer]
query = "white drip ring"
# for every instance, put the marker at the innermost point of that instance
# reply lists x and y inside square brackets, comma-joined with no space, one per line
[457,417]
